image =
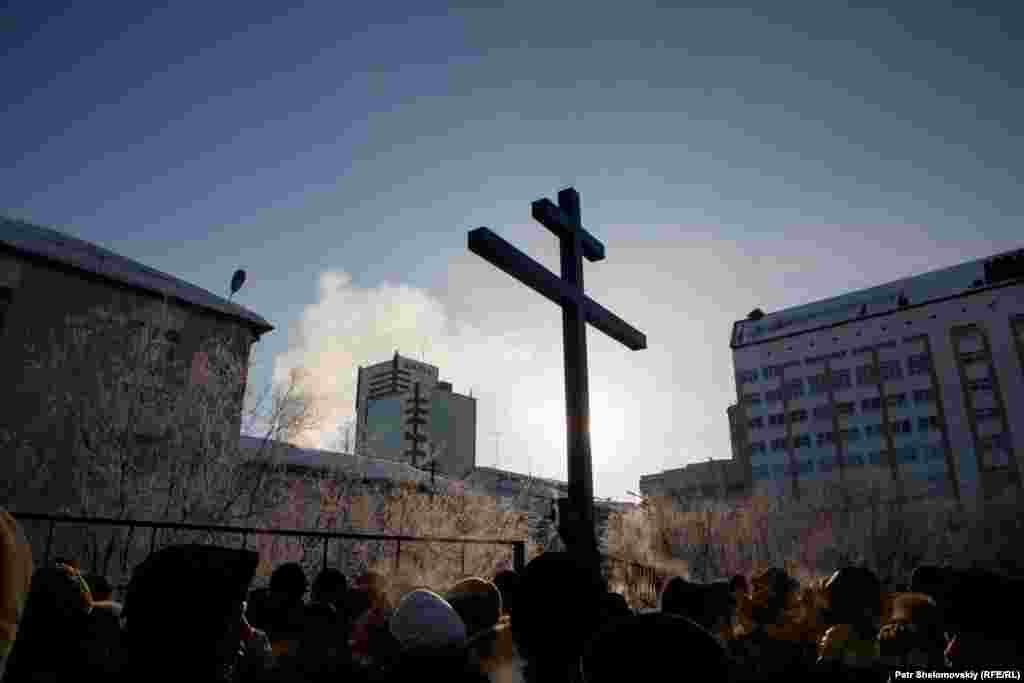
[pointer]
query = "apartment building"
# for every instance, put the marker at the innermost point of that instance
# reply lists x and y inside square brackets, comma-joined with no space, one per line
[922,377]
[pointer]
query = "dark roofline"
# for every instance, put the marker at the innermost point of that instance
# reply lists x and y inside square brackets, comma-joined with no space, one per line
[901,309]
[256,323]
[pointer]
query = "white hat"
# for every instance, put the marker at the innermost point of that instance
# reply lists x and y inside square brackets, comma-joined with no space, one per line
[425,619]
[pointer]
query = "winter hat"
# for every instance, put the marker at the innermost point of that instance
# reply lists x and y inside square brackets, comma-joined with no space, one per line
[15,580]
[478,602]
[424,619]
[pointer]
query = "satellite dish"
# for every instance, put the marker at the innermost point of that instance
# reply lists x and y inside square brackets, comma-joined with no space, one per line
[237,280]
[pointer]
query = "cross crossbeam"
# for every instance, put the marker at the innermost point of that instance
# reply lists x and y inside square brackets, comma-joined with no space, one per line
[578,309]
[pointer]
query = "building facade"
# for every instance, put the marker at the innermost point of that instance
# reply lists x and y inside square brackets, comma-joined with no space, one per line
[710,480]
[384,398]
[922,378]
[94,345]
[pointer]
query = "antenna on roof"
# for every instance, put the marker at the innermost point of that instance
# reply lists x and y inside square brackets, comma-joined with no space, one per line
[237,280]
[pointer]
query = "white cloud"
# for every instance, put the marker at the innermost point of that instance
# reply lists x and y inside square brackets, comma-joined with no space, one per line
[650,410]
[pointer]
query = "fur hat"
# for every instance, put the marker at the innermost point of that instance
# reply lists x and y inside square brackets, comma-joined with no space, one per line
[424,619]
[15,580]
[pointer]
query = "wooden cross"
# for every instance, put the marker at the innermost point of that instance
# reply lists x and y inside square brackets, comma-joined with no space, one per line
[577,310]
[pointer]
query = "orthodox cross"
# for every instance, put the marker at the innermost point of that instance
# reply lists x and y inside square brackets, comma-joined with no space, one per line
[577,310]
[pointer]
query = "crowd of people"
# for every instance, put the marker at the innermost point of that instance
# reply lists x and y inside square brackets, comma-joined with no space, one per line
[189,610]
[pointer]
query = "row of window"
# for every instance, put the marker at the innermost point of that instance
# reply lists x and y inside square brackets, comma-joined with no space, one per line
[825,412]
[924,424]
[913,453]
[886,371]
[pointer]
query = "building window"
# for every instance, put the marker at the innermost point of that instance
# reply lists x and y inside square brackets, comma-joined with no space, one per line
[983,384]
[798,416]
[818,384]
[757,448]
[841,380]
[779,444]
[823,412]
[825,438]
[756,423]
[867,374]
[752,399]
[871,405]
[777,420]
[773,396]
[794,388]
[802,441]
[769,371]
[906,455]
[928,423]
[851,434]
[855,460]
[982,414]
[919,364]
[900,426]
[872,430]
[896,400]
[924,395]
[746,376]
[890,370]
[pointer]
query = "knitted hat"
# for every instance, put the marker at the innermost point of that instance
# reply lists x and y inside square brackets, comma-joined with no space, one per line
[15,579]
[424,620]
[478,602]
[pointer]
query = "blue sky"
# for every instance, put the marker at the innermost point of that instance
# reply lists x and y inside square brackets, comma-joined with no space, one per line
[729,158]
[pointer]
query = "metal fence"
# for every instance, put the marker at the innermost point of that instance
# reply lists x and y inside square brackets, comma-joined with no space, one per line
[159,531]
[639,583]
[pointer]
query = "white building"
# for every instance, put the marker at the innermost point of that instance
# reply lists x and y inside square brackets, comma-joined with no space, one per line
[923,377]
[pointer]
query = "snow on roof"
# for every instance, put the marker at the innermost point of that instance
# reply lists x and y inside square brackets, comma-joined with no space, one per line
[376,469]
[62,248]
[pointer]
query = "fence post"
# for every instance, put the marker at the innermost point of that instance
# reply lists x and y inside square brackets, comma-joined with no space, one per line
[519,556]
[323,564]
[245,540]
[463,560]
[152,541]
[49,542]
[398,553]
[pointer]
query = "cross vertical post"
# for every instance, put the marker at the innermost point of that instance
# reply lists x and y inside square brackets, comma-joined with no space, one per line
[577,512]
